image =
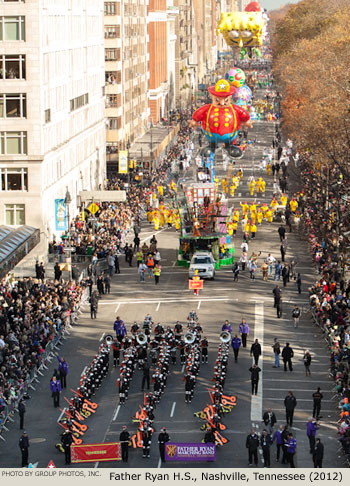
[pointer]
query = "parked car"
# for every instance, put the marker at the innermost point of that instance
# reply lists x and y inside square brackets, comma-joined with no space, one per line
[204,262]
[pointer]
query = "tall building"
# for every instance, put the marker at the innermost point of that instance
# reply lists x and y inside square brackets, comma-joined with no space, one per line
[206,13]
[51,108]
[184,26]
[158,59]
[127,73]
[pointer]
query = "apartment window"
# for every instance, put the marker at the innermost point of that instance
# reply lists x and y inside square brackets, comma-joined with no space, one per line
[113,101]
[112,8]
[13,143]
[47,116]
[112,31]
[13,106]
[79,101]
[113,77]
[14,179]
[112,54]
[12,67]
[14,214]
[12,28]
[114,123]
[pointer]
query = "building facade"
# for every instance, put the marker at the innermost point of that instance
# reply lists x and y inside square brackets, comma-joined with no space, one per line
[51,108]
[127,71]
[158,59]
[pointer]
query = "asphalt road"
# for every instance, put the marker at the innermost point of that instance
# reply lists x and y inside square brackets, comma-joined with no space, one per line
[171,301]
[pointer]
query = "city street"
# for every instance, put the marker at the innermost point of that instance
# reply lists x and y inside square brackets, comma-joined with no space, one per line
[221,299]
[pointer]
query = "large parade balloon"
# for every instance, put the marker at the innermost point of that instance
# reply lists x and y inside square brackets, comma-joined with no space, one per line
[220,120]
[235,77]
[243,93]
[243,29]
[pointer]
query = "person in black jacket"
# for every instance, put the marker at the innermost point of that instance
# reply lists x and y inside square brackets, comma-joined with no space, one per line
[317,398]
[318,453]
[287,355]
[93,305]
[290,403]
[163,437]
[67,441]
[269,419]
[265,442]
[252,444]
[124,442]
[24,446]
[21,411]
[254,370]
[255,350]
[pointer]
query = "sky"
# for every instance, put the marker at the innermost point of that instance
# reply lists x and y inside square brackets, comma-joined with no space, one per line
[273,4]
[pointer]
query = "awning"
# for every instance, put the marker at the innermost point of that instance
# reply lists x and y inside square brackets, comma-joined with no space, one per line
[15,243]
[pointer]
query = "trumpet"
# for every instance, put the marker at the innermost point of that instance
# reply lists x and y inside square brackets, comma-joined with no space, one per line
[225,337]
[141,338]
[189,338]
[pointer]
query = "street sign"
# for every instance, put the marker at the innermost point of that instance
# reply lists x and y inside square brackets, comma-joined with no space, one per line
[93,208]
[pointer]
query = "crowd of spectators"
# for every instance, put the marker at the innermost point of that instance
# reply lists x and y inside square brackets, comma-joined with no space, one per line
[326,219]
[108,232]
[33,313]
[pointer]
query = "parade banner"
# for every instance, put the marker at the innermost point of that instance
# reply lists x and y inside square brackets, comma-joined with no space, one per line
[61,221]
[195,284]
[123,162]
[175,451]
[96,452]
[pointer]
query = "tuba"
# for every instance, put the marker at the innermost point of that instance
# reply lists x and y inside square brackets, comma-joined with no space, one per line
[189,338]
[225,337]
[109,340]
[141,338]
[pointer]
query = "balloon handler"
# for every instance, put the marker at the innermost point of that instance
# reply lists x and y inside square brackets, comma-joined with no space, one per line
[221,121]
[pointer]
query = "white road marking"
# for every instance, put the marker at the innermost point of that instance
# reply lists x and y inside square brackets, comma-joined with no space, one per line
[173,409]
[159,463]
[174,263]
[199,305]
[150,236]
[102,337]
[116,413]
[157,309]
[256,400]
[183,369]
[96,464]
[301,381]
[170,300]
[117,308]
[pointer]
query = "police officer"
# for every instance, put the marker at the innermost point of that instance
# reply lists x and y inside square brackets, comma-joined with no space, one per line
[124,442]
[317,397]
[21,411]
[189,386]
[163,437]
[67,440]
[24,446]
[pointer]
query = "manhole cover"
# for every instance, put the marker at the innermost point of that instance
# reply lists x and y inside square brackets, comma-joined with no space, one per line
[37,440]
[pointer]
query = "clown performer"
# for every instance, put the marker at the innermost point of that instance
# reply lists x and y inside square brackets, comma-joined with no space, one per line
[221,121]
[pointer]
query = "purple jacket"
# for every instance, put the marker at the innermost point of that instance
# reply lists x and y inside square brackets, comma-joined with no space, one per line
[291,445]
[55,386]
[311,429]
[62,367]
[119,328]
[278,436]
[236,343]
[227,328]
[243,328]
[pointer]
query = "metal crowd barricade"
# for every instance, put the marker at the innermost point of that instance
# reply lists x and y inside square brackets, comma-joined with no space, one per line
[47,356]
